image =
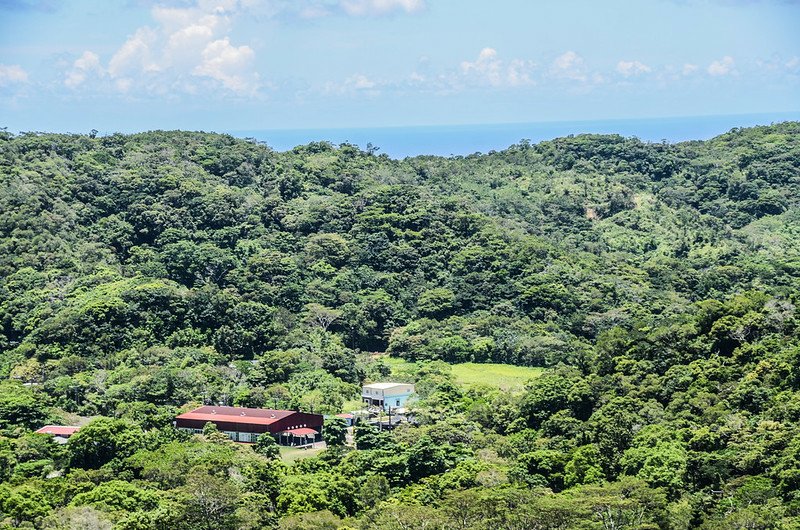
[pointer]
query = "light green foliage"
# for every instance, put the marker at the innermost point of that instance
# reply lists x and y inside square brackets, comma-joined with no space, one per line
[102,441]
[503,376]
[266,446]
[658,458]
[602,332]
[77,518]
[116,495]
[584,467]
[323,520]
[21,406]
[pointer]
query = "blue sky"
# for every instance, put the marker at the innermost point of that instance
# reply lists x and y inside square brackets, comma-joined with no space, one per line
[126,65]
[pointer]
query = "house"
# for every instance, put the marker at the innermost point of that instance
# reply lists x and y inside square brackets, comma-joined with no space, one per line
[59,432]
[288,427]
[387,395]
[349,419]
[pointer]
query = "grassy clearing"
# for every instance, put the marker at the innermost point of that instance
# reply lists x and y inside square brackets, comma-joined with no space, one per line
[351,405]
[503,376]
[293,454]
[397,364]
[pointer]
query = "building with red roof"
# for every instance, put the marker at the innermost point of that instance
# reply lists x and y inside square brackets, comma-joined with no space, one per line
[241,424]
[349,419]
[59,432]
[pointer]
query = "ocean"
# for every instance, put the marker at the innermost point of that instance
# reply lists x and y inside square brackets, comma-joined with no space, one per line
[447,140]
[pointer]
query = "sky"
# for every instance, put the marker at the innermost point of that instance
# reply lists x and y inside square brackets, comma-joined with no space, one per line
[129,65]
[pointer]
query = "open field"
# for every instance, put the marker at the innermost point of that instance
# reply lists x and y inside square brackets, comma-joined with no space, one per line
[503,376]
[292,454]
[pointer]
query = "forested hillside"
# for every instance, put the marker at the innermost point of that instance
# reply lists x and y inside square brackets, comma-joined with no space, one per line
[656,284]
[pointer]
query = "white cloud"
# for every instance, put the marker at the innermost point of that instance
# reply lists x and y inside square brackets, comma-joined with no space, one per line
[519,72]
[230,65]
[311,9]
[488,69]
[725,66]
[135,55]
[569,65]
[355,85]
[793,64]
[84,66]
[380,7]
[184,48]
[689,69]
[487,65]
[361,82]
[632,68]
[12,74]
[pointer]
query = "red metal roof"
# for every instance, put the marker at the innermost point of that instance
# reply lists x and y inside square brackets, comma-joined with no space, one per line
[58,430]
[303,431]
[348,416]
[236,415]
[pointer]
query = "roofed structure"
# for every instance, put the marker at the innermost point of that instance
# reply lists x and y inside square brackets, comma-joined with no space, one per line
[247,424]
[387,395]
[58,430]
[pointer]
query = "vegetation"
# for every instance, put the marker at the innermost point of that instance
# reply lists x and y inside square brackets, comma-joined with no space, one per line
[502,376]
[652,288]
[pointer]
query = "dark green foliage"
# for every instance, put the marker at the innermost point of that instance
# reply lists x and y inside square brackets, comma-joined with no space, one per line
[335,432]
[102,441]
[656,285]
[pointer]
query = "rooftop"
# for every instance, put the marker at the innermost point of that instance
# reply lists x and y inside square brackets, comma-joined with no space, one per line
[236,415]
[384,386]
[58,430]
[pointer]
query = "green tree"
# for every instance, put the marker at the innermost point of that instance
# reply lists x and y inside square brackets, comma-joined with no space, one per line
[21,406]
[584,467]
[266,446]
[335,432]
[102,441]
[210,501]
[425,458]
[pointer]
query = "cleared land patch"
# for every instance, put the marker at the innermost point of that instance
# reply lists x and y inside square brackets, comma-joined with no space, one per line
[503,376]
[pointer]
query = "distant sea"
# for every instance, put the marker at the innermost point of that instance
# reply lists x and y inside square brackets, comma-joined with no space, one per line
[446,140]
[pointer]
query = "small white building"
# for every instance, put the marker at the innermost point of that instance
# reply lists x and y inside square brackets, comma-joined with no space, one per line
[387,395]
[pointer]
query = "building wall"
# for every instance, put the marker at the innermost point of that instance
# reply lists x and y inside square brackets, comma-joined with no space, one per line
[394,397]
[297,420]
[396,400]
[388,400]
[249,432]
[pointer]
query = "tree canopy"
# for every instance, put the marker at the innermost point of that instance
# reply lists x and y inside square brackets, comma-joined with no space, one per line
[655,285]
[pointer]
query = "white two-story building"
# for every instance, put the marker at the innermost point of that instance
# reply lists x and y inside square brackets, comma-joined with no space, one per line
[387,395]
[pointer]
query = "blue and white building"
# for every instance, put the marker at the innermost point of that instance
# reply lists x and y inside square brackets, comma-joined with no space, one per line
[387,395]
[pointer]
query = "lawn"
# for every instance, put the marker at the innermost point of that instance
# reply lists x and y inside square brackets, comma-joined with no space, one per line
[293,454]
[503,376]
